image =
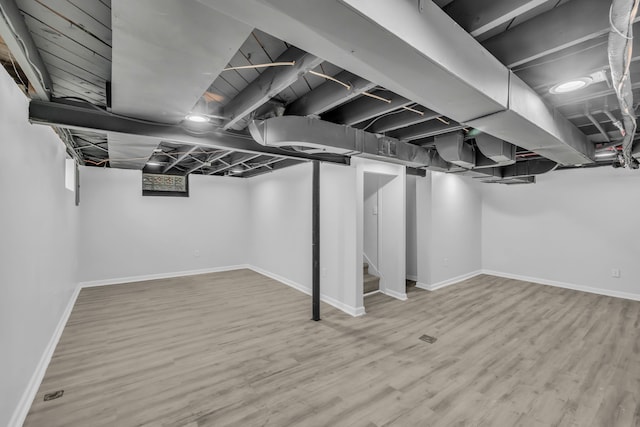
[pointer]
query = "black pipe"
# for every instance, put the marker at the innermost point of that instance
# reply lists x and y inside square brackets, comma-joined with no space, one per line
[315,240]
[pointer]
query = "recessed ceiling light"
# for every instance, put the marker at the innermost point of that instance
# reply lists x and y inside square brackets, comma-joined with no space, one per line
[571,85]
[197,118]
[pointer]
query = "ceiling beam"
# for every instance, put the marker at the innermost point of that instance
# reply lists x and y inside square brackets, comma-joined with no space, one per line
[478,17]
[425,130]
[73,116]
[329,95]
[271,82]
[564,26]
[366,108]
[18,39]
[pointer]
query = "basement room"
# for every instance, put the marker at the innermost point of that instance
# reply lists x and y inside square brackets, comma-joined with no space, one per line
[319,213]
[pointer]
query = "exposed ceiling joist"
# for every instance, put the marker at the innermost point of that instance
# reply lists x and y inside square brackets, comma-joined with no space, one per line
[329,95]
[74,116]
[268,84]
[18,39]
[567,25]
[235,162]
[401,119]
[425,130]
[212,158]
[179,159]
[481,16]
[366,108]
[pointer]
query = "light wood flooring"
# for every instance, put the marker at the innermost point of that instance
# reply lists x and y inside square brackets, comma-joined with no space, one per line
[237,348]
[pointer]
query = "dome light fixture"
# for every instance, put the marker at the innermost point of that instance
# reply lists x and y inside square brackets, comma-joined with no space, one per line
[571,85]
[197,118]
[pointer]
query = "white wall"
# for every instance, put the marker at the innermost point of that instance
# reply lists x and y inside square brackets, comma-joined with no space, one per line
[38,251]
[370,214]
[449,228]
[126,235]
[280,223]
[571,227]
[281,230]
[412,230]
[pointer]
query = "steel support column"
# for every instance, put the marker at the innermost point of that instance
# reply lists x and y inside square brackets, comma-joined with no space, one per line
[315,241]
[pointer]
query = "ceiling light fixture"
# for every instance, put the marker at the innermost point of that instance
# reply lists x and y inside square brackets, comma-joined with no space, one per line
[571,85]
[153,164]
[197,118]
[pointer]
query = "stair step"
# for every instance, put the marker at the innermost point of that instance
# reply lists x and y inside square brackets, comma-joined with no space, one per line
[371,283]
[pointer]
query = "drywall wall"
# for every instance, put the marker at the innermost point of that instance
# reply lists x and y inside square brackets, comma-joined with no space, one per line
[339,260]
[280,223]
[449,228]
[370,218]
[125,235]
[38,251]
[572,227]
[412,231]
[281,230]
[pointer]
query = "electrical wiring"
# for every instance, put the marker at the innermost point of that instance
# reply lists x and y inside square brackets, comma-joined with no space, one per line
[254,66]
[333,79]
[380,117]
[24,48]
[16,71]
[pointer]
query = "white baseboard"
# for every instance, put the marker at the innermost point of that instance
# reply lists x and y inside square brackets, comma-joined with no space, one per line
[402,296]
[411,277]
[351,310]
[143,278]
[598,291]
[24,404]
[448,282]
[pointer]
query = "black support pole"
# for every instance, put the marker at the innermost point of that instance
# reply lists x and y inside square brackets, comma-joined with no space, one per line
[315,240]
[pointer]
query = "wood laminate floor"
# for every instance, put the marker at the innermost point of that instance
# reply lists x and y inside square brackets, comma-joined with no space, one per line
[237,348]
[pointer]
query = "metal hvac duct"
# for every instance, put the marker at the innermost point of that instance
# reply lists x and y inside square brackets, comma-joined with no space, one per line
[454,149]
[501,152]
[307,134]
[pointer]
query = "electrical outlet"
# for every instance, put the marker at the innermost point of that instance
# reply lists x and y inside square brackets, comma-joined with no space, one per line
[446,262]
[615,272]
[196,253]
[323,272]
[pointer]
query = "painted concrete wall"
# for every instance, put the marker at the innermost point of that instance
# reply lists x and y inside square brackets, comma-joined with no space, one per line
[126,235]
[571,227]
[38,225]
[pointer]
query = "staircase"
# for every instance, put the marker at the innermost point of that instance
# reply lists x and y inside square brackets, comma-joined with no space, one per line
[371,282]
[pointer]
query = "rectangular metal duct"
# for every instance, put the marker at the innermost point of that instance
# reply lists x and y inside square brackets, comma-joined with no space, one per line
[453,149]
[496,149]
